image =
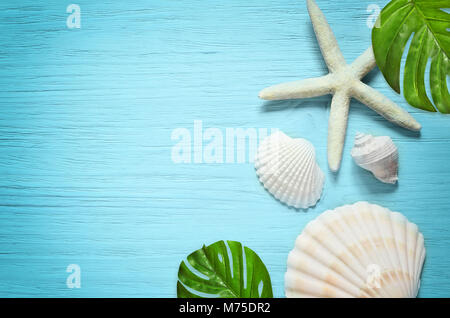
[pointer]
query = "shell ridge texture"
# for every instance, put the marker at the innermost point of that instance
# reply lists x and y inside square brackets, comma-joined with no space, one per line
[358,250]
[287,169]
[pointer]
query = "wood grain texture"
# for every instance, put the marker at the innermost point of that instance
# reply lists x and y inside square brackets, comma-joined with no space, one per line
[86,118]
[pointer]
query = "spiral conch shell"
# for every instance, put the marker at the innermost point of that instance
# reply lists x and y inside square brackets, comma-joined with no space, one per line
[288,170]
[379,155]
[359,250]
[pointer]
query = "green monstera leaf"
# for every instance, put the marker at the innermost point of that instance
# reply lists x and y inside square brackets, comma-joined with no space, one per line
[430,25]
[219,270]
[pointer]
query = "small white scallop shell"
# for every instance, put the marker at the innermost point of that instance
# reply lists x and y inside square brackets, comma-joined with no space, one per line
[359,250]
[288,170]
[379,155]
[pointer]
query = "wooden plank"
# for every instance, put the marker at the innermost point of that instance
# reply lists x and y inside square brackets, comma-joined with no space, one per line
[86,117]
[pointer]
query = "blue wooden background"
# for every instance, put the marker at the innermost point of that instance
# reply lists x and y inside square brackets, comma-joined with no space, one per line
[86,117]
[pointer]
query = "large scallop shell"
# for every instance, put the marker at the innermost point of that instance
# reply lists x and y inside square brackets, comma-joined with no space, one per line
[359,250]
[379,155]
[288,170]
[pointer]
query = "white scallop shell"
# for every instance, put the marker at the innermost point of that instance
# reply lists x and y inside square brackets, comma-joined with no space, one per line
[288,170]
[379,155]
[359,250]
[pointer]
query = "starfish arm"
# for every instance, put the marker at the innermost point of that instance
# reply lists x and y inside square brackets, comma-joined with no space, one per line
[384,106]
[337,126]
[327,41]
[311,87]
[364,63]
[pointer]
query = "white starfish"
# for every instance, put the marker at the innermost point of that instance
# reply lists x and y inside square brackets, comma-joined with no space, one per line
[344,82]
